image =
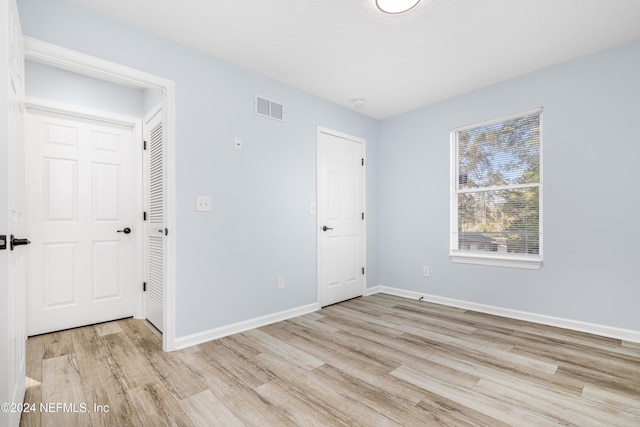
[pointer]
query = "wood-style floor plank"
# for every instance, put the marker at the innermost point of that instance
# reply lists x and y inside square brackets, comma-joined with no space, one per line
[62,393]
[33,393]
[380,360]
[612,398]
[246,404]
[556,405]
[171,371]
[156,407]
[57,344]
[468,397]
[204,409]
[100,383]
[347,360]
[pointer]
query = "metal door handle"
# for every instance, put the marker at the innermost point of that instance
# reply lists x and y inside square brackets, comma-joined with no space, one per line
[325,228]
[17,242]
[125,230]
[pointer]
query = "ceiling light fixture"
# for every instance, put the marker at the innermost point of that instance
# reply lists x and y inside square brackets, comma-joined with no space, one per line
[396,6]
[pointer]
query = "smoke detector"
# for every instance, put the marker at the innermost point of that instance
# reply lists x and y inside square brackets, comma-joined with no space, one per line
[358,103]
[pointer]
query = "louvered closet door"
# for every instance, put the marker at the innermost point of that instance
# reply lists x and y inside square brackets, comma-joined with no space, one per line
[155,208]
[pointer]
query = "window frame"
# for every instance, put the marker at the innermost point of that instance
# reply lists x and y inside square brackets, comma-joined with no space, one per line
[523,261]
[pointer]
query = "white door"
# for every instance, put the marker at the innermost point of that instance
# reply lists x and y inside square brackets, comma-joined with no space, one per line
[155,219]
[13,263]
[341,262]
[80,190]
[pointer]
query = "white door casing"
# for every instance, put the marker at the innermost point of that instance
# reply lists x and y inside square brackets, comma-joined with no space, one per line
[155,199]
[56,56]
[341,217]
[80,189]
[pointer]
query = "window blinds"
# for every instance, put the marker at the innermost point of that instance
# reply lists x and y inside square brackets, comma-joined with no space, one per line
[498,185]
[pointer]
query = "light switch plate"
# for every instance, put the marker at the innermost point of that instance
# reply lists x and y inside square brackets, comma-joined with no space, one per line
[203,204]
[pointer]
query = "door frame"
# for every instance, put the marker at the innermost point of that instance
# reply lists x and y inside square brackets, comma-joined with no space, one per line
[80,63]
[324,130]
[136,124]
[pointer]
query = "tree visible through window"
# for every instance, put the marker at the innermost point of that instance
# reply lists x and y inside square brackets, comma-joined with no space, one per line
[497,183]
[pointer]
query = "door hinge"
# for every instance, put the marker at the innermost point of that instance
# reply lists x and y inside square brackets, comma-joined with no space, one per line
[363,215]
[362,161]
[144,286]
[362,270]
[144,145]
[144,216]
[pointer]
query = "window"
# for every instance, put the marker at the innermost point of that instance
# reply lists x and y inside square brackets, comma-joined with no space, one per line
[496,192]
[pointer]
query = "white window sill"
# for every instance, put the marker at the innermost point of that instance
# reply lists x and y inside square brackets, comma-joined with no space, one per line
[531,262]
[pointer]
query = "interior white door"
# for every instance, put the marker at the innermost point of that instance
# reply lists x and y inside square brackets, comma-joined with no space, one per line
[13,263]
[155,216]
[341,262]
[80,188]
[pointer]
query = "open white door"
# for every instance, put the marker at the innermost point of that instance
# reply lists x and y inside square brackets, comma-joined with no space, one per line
[13,263]
[155,201]
[341,220]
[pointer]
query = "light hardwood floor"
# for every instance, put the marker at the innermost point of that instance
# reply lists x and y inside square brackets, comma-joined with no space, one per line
[373,361]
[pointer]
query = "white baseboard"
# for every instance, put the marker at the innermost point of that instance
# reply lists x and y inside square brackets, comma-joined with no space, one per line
[372,291]
[591,328]
[212,334]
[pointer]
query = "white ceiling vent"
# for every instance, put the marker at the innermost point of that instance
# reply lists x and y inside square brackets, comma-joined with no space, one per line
[267,108]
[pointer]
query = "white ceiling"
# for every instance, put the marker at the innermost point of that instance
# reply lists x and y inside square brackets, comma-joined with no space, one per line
[341,50]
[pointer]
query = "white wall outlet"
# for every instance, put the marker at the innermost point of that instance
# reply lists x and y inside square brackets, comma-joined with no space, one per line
[203,204]
[312,208]
[425,271]
[280,282]
[237,143]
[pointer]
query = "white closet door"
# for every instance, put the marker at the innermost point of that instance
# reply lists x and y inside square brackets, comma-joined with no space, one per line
[80,192]
[341,218]
[156,228]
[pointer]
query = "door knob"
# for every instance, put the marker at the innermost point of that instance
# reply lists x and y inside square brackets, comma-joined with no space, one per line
[17,242]
[125,230]
[325,228]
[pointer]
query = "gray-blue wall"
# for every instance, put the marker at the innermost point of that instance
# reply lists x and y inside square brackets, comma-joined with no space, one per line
[591,197]
[260,227]
[54,84]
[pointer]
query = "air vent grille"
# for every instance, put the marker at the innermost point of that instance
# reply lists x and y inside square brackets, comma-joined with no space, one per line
[267,108]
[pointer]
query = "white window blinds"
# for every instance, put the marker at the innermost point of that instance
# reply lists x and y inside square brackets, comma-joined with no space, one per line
[498,185]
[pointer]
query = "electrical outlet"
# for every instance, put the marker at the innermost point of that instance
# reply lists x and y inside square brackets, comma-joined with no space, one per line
[237,143]
[203,204]
[425,271]
[280,282]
